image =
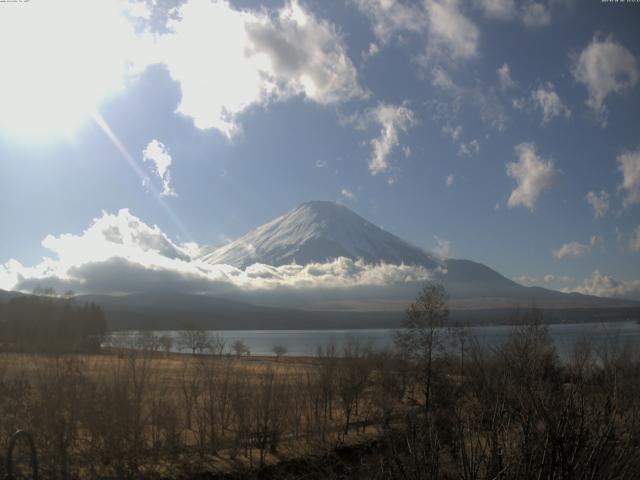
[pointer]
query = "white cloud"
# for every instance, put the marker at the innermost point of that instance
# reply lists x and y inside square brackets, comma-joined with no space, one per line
[634,243]
[550,278]
[536,14]
[442,248]
[547,100]
[450,32]
[499,9]
[441,79]
[390,18]
[533,175]
[121,254]
[576,249]
[348,194]
[605,286]
[158,155]
[605,67]
[392,120]
[531,14]
[227,60]
[449,181]
[481,97]
[450,35]
[504,77]
[571,250]
[453,132]
[465,149]
[526,280]
[371,52]
[470,148]
[629,166]
[599,202]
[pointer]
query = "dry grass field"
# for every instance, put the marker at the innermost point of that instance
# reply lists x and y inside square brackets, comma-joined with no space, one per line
[514,411]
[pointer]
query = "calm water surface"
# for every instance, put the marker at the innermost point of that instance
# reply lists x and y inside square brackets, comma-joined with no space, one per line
[306,342]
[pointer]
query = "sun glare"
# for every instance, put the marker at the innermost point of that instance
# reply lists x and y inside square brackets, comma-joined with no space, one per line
[59,60]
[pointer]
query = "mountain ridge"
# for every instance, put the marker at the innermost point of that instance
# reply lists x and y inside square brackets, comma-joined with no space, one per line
[320,231]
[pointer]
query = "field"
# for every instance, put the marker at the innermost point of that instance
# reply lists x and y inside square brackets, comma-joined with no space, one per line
[511,412]
[145,413]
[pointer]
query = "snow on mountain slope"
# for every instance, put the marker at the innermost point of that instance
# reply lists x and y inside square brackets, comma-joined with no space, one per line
[316,232]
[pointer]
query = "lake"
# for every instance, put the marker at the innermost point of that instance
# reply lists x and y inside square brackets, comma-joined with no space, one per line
[306,342]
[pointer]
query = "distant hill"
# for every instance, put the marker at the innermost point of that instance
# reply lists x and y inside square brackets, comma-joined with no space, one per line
[162,311]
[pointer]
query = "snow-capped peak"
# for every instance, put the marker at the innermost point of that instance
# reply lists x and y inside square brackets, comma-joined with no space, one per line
[317,232]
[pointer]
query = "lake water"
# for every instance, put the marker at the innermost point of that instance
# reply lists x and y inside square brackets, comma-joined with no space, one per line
[306,342]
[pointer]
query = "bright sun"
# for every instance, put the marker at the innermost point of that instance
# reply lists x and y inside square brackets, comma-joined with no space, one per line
[58,60]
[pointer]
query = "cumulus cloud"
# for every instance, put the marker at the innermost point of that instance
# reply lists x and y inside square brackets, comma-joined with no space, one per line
[442,248]
[605,67]
[526,280]
[550,278]
[536,14]
[499,9]
[391,120]
[629,166]
[504,77]
[532,174]
[227,60]
[158,155]
[530,13]
[450,32]
[119,253]
[599,202]
[571,250]
[441,79]
[391,18]
[545,99]
[470,148]
[576,249]
[602,285]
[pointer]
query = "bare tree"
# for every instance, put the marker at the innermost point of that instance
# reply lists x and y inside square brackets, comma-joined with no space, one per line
[240,348]
[279,351]
[166,342]
[196,340]
[421,337]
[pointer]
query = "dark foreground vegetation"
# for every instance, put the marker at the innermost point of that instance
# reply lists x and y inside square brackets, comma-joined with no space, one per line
[439,406]
[39,323]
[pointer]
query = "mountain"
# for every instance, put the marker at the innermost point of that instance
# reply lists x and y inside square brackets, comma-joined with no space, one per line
[318,231]
[6,295]
[173,311]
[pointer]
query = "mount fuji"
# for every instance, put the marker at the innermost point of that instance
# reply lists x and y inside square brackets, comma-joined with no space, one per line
[317,232]
[320,231]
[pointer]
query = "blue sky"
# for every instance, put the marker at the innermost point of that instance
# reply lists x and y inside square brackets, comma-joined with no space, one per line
[477,128]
